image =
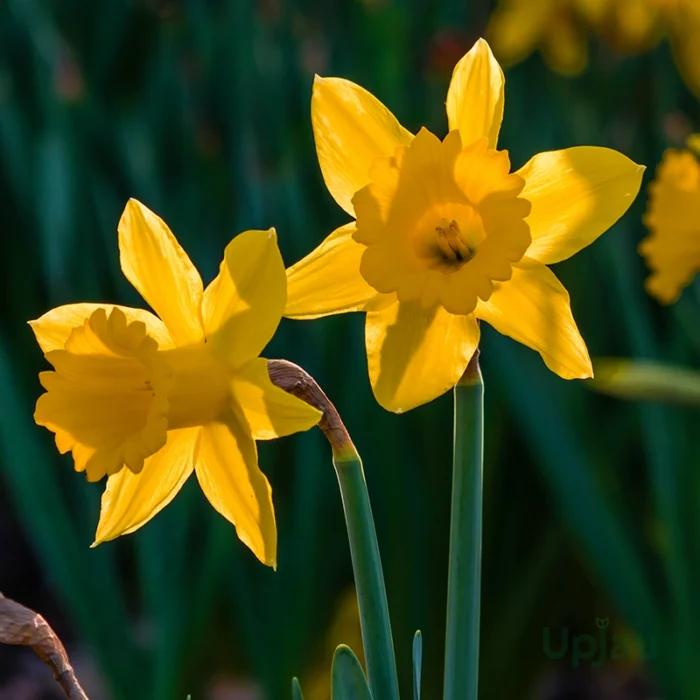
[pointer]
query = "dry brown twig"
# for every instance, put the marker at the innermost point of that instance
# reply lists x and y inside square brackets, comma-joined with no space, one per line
[24,627]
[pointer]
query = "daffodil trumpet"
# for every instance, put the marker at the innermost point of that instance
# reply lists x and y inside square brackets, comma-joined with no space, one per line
[149,400]
[377,638]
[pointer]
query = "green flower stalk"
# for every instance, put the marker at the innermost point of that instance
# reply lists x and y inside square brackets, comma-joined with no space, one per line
[366,561]
[464,580]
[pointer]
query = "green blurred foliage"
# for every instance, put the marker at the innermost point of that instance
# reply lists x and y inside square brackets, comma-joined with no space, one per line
[201,110]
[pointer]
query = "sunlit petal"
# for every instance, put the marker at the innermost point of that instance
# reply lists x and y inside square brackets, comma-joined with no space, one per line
[351,129]
[328,280]
[228,472]
[576,195]
[131,500]
[243,305]
[416,354]
[160,270]
[475,98]
[534,309]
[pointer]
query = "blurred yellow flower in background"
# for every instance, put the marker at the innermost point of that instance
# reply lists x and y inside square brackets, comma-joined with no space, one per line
[446,235]
[554,27]
[559,30]
[147,400]
[672,249]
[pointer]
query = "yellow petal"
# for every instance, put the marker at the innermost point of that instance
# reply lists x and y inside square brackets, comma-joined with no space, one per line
[269,411]
[533,308]
[53,329]
[328,280]
[351,129]
[159,269]
[475,98]
[131,500]
[243,305]
[228,472]
[576,195]
[415,355]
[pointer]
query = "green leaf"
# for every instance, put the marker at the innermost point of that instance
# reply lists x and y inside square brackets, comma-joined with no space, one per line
[417,663]
[646,381]
[348,680]
[296,690]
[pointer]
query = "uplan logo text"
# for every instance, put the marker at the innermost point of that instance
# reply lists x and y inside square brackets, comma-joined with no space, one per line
[597,649]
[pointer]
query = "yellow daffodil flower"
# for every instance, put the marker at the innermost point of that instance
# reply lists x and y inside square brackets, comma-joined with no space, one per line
[672,249]
[682,20]
[445,234]
[146,400]
[559,29]
[636,26]
[519,27]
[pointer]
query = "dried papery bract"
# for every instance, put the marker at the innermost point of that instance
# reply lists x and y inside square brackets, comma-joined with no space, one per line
[21,626]
[298,382]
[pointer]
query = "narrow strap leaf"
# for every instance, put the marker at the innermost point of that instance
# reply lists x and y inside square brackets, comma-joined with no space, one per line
[417,663]
[296,689]
[348,680]
[647,381]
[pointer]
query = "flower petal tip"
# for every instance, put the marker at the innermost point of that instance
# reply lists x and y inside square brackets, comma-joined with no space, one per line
[272,233]
[584,374]
[133,203]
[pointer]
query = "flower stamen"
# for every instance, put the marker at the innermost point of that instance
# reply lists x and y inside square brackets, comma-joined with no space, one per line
[450,242]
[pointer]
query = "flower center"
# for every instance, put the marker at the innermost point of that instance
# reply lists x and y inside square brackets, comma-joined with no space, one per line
[455,244]
[441,223]
[452,246]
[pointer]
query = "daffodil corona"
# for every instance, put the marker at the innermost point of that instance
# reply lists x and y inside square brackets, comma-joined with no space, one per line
[445,234]
[672,249]
[147,401]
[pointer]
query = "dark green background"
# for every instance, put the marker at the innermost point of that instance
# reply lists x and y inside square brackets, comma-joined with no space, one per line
[201,111]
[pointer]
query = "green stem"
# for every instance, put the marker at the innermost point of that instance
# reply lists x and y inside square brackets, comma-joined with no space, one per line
[369,580]
[464,579]
[366,562]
